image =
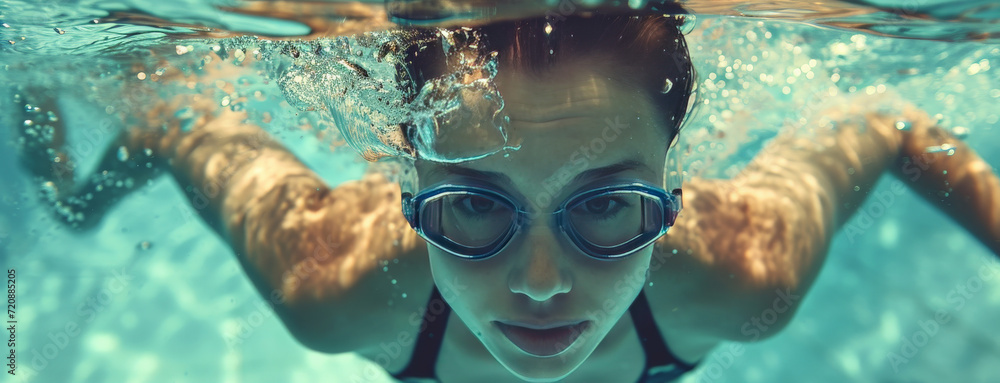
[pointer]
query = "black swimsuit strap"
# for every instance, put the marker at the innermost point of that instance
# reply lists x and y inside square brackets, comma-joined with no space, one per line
[657,352]
[425,352]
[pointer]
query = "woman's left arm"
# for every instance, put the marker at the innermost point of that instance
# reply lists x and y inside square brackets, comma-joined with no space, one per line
[850,157]
[745,242]
[764,234]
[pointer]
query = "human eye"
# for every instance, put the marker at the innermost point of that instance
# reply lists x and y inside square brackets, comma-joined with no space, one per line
[602,208]
[473,205]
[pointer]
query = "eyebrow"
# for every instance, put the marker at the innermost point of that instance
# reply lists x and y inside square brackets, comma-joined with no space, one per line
[585,175]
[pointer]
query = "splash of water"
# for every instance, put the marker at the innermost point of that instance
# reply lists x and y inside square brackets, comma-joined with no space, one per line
[381,105]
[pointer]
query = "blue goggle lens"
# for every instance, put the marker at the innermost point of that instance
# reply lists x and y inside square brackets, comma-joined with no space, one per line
[614,224]
[465,222]
[475,224]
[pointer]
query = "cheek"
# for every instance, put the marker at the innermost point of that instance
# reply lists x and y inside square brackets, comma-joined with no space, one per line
[462,283]
[623,281]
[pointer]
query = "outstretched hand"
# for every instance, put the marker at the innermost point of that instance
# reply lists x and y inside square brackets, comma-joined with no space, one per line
[41,137]
[44,151]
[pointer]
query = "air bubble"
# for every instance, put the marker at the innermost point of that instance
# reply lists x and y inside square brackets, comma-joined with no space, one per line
[960,132]
[667,86]
[903,125]
[122,154]
[394,281]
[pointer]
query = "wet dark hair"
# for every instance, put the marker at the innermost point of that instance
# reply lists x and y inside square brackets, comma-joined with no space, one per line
[644,48]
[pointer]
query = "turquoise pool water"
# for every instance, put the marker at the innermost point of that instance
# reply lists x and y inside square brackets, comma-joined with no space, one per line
[157,297]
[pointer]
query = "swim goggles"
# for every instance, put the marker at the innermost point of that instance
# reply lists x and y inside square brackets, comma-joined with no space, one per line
[606,222]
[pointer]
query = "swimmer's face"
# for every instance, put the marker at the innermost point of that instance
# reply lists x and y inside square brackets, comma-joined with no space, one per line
[541,277]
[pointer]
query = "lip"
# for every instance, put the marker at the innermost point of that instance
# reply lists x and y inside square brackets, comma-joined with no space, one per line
[543,339]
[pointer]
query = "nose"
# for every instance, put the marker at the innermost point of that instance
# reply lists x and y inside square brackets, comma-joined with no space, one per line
[542,270]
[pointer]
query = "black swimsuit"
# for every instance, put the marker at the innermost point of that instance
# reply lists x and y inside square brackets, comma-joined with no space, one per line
[661,364]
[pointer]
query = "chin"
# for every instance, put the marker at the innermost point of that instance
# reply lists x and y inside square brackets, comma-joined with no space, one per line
[540,375]
[540,369]
[541,380]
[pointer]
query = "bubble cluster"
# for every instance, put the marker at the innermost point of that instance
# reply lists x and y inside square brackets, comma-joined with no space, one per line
[364,86]
[766,77]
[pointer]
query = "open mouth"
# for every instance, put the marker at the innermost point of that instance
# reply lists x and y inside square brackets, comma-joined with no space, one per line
[543,342]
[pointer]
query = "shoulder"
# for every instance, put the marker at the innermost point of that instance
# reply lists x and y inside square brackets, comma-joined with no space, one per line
[751,230]
[734,251]
[339,255]
[746,246]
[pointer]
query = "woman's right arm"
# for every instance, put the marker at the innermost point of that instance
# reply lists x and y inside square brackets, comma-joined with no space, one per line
[311,251]
[314,252]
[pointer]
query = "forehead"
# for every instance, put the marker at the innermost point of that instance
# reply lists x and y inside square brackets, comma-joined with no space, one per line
[572,120]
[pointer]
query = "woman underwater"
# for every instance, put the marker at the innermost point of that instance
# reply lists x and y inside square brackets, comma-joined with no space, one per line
[586,288]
